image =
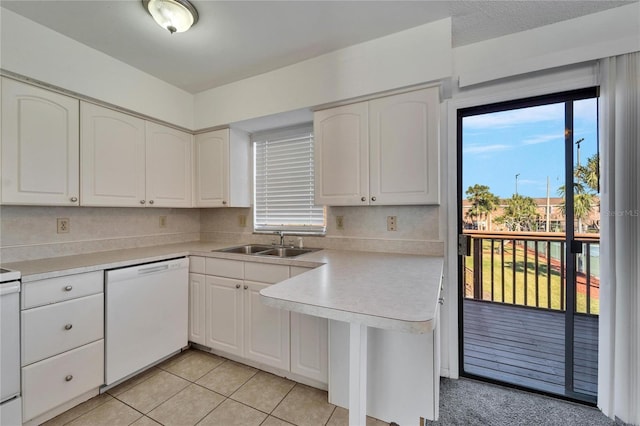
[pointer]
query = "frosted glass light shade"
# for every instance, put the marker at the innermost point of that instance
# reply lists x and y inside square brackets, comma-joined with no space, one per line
[176,16]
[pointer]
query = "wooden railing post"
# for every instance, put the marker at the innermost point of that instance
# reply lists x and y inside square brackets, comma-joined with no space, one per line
[477,268]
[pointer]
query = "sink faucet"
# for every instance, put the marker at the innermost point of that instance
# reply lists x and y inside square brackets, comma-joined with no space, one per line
[281,233]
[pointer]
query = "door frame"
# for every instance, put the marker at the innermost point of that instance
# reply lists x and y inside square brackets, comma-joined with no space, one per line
[545,82]
[566,97]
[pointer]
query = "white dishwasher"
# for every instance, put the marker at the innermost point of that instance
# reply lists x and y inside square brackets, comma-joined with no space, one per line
[146,315]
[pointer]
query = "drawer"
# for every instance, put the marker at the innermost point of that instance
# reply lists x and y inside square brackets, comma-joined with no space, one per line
[265,272]
[52,290]
[196,265]
[53,329]
[225,268]
[54,381]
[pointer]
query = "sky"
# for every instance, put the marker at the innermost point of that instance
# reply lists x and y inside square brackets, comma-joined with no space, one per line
[528,142]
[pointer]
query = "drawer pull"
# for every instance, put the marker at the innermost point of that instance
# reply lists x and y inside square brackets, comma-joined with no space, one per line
[68,378]
[68,327]
[246,287]
[68,288]
[237,285]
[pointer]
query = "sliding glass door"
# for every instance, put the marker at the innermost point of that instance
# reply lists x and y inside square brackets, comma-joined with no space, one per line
[529,238]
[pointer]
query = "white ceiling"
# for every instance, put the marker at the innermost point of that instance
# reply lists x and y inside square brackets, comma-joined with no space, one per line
[238,39]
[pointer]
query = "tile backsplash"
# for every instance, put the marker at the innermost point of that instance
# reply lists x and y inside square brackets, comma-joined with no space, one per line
[28,233]
[365,228]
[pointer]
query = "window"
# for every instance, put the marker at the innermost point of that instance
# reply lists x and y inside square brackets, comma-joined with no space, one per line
[284,183]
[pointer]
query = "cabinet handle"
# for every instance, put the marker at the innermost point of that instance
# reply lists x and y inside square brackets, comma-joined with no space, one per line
[363,199]
[68,288]
[141,201]
[68,378]
[74,199]
[150,201]
[237,285]
[246,287]
[224,202]
[68,326]
[373,198]
[441,300]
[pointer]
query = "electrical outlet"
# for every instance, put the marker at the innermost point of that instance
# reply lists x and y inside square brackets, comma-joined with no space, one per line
[242,220]
[339,222]
[64,225]
[162,222]
[392,223]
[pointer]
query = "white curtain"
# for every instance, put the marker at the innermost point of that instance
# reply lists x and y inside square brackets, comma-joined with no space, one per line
[619,356]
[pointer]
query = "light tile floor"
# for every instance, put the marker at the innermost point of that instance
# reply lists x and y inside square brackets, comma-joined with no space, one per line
[198,388]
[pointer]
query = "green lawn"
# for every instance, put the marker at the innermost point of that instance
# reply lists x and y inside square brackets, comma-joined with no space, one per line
[544,283]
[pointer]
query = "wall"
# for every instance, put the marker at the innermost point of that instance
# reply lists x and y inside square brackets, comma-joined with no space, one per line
[28,233]
[37,52]
[406,58]
[365,228]
[599,35]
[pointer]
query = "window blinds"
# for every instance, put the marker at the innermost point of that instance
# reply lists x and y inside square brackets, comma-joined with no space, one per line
[284,184]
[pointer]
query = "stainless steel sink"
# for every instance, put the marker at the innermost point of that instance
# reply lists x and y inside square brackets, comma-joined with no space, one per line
[286,252]
[247,249]
[264,250]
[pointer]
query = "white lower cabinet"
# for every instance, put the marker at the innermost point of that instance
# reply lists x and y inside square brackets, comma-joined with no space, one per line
[51,330]
[54,381]
[62,341]
[197,304]
[266,329]
[238,323]
[224,314]
[309,346]
[309,342]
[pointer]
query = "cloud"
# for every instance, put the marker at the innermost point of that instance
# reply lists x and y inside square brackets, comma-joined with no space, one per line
[535,140]
[502,119]
[483,149]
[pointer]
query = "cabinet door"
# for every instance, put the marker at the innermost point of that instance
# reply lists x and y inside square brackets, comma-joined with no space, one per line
[224,314]
[40,146]
[112,158]
[212,169]
[168,166]
[197,306]
[342,155]
[309,342]
[266,329]
[404,157]
[309,346]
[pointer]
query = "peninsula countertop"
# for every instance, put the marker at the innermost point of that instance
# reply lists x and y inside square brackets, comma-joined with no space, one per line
[383,290]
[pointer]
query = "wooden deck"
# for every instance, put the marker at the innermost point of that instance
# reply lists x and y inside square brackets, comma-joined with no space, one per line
[525,347]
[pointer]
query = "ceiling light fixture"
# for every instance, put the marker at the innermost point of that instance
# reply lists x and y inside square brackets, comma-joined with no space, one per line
[176,16]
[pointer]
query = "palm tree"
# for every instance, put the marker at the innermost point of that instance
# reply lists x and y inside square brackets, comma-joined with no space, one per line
[583,201]
[590,174]
[483,202]
[585,189]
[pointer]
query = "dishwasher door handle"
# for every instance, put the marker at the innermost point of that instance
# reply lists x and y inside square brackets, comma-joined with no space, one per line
[153,269]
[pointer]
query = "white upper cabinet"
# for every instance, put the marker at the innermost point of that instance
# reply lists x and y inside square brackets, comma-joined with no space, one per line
[168,166]
[40,155]
[112,156]
[222,169]
[130,162]
[394,139]
[342,155]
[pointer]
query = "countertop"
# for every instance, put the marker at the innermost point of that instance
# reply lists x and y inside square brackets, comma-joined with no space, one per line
[384,290]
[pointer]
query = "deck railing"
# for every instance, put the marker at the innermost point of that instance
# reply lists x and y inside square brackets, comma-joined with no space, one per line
[528,269]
